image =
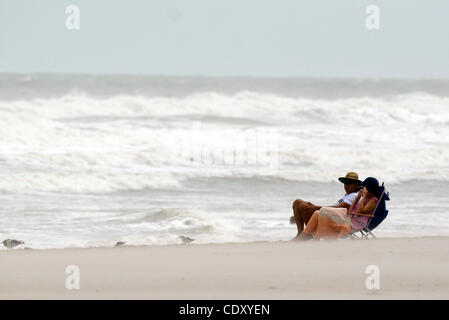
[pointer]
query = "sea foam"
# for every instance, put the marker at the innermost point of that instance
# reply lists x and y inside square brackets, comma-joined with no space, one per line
[79,143]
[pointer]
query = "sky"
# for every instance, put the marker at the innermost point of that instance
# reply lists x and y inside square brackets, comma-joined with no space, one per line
[283,38]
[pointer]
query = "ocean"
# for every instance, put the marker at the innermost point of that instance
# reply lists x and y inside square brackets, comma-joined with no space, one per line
[89,160]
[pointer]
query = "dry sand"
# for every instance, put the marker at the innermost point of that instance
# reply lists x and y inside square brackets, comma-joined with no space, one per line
[415,268]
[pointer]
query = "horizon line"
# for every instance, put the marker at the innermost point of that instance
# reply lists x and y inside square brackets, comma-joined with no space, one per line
[285,77]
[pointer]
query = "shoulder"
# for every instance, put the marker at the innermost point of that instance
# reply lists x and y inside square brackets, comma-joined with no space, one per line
[351,195]
[373,199]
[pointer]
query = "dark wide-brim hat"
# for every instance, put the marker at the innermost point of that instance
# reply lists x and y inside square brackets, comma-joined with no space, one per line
[351,177]
[372,185]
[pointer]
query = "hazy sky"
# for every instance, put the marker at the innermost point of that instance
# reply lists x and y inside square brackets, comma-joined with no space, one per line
[227,37]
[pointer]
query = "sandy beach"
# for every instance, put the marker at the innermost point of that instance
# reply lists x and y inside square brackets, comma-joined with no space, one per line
[409,268]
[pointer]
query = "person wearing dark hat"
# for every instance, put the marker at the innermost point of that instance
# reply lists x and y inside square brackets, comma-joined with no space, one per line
[361,210]
[303,211]
[331,222]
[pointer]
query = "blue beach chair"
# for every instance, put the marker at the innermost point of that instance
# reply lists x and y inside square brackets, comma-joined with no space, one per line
[380,213]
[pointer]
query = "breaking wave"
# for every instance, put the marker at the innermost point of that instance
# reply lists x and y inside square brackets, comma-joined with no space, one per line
[77,143]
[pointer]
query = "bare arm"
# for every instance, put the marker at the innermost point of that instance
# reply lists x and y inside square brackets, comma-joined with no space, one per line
[366,205]
[341,205]
[356,200]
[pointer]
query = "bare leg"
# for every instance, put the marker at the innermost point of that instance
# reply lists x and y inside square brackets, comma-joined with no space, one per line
[310,229]
[313,224]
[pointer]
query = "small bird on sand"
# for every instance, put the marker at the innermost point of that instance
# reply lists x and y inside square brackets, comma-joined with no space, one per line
[120,243]
[11,243]
[186,239]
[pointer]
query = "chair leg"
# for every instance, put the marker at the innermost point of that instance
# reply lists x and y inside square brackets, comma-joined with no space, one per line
[364,234]
[367,233]
[355,237]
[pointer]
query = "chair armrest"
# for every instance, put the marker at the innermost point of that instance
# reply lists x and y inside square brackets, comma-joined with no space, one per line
[361,214]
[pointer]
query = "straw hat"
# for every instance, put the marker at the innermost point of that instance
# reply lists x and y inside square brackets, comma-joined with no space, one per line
[350,177]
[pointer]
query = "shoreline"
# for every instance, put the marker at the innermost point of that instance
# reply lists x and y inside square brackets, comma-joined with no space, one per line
[409,268]
[25,248]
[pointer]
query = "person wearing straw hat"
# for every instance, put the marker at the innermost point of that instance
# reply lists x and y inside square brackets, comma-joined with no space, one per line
[303,210]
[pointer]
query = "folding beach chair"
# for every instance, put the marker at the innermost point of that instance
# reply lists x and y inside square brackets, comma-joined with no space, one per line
[380,213]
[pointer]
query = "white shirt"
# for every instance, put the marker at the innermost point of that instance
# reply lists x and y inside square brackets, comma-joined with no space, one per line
[347,198]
